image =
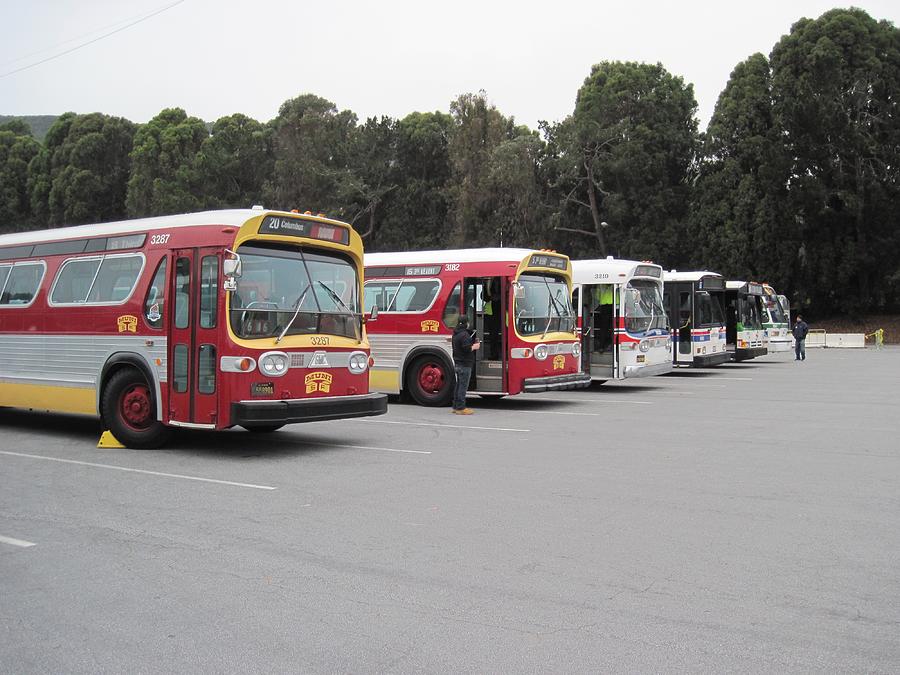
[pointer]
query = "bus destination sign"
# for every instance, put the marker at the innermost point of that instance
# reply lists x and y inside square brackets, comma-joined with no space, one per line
[648,271]
[297,227]
[712,284]
[554,262]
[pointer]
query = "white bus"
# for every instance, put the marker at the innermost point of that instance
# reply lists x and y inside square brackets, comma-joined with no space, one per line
[624,326]
[743,316]
[775,321]
[695,303]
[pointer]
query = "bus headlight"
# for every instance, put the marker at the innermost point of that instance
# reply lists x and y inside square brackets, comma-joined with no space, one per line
[541,352]
[576,349]
[645,346]
[274,364]
[359,362]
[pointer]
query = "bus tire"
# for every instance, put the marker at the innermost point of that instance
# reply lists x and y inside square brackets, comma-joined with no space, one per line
[430,381]
[128,409]
[262,428]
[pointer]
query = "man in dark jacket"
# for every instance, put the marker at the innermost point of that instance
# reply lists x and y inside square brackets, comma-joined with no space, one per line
[800,331]
[464,347]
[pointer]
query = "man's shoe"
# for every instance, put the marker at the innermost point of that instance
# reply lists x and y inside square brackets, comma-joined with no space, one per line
[464,411]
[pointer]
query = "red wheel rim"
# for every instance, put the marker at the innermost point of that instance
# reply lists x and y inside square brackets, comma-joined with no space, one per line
[431,378]
[135,408]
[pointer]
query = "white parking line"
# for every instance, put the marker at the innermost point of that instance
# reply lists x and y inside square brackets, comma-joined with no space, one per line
[444,426]
[369,447]
[740,379]
[143,471]
[16,542]
[588,399]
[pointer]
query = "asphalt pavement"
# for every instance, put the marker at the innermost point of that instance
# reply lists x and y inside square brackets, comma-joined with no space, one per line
[744,518]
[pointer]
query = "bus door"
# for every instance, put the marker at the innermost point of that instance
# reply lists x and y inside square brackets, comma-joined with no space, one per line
[193,337]
[599,319]
[485,303]
[685,322]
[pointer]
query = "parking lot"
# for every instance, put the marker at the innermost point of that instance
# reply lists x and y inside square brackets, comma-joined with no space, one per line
[743,518]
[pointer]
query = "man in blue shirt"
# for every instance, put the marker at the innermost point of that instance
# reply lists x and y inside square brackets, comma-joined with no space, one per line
[464,347]
[800,331]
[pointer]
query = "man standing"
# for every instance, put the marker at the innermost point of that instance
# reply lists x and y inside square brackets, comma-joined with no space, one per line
[464,347]
[800,330]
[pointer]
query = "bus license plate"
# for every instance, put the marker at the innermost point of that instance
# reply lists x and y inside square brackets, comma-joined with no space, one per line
[263,389]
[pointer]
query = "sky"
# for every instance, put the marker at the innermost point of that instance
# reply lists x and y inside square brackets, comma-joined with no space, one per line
[218,57]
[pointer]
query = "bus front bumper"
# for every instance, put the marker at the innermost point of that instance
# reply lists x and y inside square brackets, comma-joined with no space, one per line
[749,353]
[642,370]
[710,360]
[556,382]
[293,411]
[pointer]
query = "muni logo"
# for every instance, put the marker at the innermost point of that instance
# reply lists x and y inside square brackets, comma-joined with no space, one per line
[430,326]
[318,381]
[559,362]
[127,324]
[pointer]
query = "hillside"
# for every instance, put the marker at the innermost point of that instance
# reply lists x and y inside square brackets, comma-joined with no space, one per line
[39,124]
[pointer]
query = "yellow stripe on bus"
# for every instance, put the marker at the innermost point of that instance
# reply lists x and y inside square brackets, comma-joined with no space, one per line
[49,398]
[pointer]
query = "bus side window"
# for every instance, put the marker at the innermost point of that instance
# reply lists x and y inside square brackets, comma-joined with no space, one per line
[154,304]
[451,309]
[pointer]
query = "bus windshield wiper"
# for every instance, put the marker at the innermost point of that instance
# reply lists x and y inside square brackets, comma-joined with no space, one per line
[336,297]
[296,312]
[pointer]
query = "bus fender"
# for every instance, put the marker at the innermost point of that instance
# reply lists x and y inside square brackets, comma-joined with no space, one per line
[425,350]
[120,360]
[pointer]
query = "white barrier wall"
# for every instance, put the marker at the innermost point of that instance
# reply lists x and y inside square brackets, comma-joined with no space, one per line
[815,338]
[851,340]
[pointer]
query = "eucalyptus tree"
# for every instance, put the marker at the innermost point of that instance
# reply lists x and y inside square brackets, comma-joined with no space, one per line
[81,173]
[835,84]
[623,158]
[234,162]
[740,212]
[164,177]
[311,144]
[17,148]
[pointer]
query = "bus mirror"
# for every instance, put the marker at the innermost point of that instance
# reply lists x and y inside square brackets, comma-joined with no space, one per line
[374,313]
[231,267]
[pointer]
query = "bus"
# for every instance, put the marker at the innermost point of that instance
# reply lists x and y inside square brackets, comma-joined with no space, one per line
[694,301]
[210,320]
[517,301]
[624,327]
[744,332]
[775,322]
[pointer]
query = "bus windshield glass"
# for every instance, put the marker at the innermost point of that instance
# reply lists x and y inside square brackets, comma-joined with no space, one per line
[750,319]
[708,309]
[773,308]
[542,305]
[295,291]
[644,307]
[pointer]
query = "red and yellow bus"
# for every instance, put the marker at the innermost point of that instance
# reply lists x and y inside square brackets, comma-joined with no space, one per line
[517,300]
[203,320]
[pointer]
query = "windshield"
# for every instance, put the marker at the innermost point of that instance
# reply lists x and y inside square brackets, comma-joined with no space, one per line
[643,307]
[709,309]
[295,291]
[542,305]
[750,305]
[773,309]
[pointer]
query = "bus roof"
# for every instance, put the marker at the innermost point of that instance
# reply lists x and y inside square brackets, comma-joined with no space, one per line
[459,255]
[232,217]
[618,270]
[675,275]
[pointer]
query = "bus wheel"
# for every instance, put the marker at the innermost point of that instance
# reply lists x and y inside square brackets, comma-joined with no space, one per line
[262,428]
[128,408]
[430,381]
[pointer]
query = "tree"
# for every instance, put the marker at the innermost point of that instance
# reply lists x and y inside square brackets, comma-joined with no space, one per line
[164,177]
[415,212]
[835,84]
[623,157]
[17,149]
[80,175]
[479,128]
[311,142]
[372,173]
[234,162]
[739,210]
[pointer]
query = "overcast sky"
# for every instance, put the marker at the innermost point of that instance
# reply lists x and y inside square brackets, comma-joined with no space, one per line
[215,57]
